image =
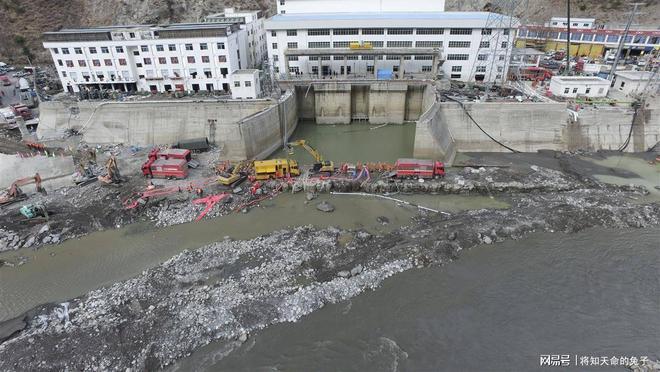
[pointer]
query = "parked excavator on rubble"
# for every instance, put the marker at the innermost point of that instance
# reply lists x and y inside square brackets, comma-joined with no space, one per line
[320,165]
[112,170]
[14,192]
[233,175]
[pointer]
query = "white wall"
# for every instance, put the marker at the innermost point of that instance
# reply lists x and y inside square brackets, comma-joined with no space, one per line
[351,6]
[591,87]
[627,86]
[245,85]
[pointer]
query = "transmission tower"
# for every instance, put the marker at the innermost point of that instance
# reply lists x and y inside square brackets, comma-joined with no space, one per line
[493,57]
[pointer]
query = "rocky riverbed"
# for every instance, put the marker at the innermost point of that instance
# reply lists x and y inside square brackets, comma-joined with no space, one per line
[229,289]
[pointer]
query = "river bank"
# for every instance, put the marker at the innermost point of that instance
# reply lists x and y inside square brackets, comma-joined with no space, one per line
[229,289]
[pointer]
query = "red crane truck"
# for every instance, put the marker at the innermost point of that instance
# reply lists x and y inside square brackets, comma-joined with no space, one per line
[168,163]
[419,168]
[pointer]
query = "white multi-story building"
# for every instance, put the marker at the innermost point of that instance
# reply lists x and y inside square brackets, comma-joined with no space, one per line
[252,22]
[183,57]
[471,49]
[352,6]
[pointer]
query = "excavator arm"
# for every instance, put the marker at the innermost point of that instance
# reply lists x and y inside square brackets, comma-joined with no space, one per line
[312,151]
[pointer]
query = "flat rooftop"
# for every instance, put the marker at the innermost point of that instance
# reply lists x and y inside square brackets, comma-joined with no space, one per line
[387,19]
[363,52]
[635,75]
[581,79]
[246,71]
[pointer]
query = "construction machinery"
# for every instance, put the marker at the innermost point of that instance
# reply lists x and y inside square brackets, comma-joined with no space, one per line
[112,171]
[34,210]
[167,163]
[233,175]
[275,168]
[419,168]
[14,192]
[320,165]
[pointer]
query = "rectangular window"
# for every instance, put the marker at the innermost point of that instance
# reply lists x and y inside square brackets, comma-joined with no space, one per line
[423,58]
[575,90]
[189,47]
[59,62]
[482,57]
[587,91]
[340,44]
[481,69]
[65,50]
[458,57]
[277,58]
[600,38]
[318,32]
[69,63]
[506,31]
[190,59]
[639,39]
[220,45]
[56,51]
[576,36]
[318,44]
[566,90]
[427,68]
[460,31]
[174,60]
[203,46]
[64,74]
[456,68]
[82,63]
[505,44]
[171,47]
[501,58]
[373,31]
[484,44]
[165,73]
[274,45]
[291,33]
[587,37]
[377,44]
[160,48]
[107,62]
[147,61]
[118,49]
[273,33]
[248,83]
[138,64]
[399,44]
[92,50]
[77,50]
[459,44]
[131,35]
[345,31]
[206,59]
[122,62]
[162,60]
[399,31]
[430,31]
[292,58]
[455,76]
[222,58]
[96,62]
[486,31]
[292,45]
[144,48]
[237,84]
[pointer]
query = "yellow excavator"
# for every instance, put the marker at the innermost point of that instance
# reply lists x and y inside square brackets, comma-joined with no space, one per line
[320,165]
[230,178]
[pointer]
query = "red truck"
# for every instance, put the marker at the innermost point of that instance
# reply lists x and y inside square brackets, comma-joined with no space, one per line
[419,168]
[22,111]
[5,80]
[167,163]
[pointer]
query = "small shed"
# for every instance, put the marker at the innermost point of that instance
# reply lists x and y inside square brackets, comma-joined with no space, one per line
[246,84]
[573,86]
[635,82]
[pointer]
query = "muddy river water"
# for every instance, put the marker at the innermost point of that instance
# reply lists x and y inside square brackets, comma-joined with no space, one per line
[498,308]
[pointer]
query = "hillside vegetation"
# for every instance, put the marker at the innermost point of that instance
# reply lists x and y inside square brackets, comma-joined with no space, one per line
[23,21]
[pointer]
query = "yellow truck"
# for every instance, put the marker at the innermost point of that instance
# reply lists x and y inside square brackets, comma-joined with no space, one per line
[275,168]
[358,45]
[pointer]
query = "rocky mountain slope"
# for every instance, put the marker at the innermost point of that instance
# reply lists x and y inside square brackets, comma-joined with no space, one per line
[23,21]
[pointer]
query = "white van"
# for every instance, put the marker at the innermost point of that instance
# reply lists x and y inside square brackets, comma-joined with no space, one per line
[8,115]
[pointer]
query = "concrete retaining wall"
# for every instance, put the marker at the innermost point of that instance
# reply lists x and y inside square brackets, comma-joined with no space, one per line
[433,138]
[54,171]
[242,129]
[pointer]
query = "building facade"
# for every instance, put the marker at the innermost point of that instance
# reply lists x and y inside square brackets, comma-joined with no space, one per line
[252,22]
[576,23]
[595,41]
[469,49]
[630,83]
[177,57]
[352,6]
[246,85]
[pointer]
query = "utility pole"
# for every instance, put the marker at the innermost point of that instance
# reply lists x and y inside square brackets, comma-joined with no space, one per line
[567,70]
[623,39]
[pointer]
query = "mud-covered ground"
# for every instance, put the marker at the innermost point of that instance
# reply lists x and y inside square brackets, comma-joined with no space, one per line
[229,289]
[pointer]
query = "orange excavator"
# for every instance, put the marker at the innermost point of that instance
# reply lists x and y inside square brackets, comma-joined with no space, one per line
[14,192]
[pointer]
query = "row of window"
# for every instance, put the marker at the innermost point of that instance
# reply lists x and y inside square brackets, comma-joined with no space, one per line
[206,73]
[586,36]
[388,31]
[357,58]
[390,44]
[143,48]
[146,61]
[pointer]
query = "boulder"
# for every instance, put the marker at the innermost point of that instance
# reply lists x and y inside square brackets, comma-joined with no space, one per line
[324,206]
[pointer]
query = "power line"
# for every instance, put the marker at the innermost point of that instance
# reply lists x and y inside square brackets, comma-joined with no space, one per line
[619,49]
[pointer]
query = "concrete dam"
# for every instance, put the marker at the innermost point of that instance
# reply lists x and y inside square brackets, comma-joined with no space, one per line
[253,129]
